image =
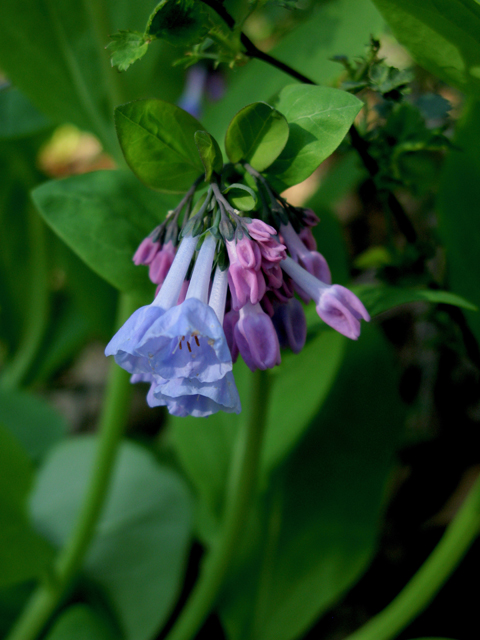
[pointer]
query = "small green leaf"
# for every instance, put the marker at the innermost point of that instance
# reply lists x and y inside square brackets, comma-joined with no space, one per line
[35,424]
[241,197]
[138,555]
[319,118]
[103,216]
[127,47]
[157,140]
[180,22]
[24,554]
[80,622]
[257,134]
[209,153]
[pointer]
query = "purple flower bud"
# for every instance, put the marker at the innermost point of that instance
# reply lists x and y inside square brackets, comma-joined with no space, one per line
[161,263]
[256,338]
[245,252]
[291,325]
[273,274]
[146,252]
[310,218]
[342,310]
[267,239]
[336,305]
[246,285]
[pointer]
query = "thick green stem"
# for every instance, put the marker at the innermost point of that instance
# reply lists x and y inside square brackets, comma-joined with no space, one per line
[428,580]
[245,467]
[69,561]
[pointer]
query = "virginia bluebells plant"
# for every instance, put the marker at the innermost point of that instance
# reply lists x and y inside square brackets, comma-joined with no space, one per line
[226,286]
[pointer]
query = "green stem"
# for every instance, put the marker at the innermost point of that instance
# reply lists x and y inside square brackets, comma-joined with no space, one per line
[428,580]
[242,488]
[37,320]
[114,416]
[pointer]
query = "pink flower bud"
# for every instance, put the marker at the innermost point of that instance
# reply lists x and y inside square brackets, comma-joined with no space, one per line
[161,263]
[146,251]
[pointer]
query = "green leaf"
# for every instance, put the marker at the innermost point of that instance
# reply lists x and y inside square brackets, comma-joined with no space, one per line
[241,197]
[24,554]
[340,27]
[442,35]
[379,298]
[126,47]
[318,118]
[180,22]
[314,531]
[80,622]
[35,424]
[157,140]
[457,203]
[18,117]
[257,134]
[54,55]
[103,216]
[210,153]
[205,453]
[138,555]
[288,418]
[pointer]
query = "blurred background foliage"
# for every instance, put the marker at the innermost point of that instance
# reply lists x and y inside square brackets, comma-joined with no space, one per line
[370,446]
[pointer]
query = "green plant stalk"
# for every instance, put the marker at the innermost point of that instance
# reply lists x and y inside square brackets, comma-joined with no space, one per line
[241,491]
[36,322]
[431,576]
[113,419]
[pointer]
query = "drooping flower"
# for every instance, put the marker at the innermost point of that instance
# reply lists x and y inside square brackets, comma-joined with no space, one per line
[336,305]
[124,345]
[256,338]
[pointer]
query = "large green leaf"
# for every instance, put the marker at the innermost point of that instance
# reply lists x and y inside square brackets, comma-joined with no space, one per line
[457,203]
[53,52]
[318,118]
[103,216]
[315,529]
[35,424]
[205,453]
[442,35]
[138,555]
[257,134]
[340,27]
[157,140]
[24,554]
[80,623]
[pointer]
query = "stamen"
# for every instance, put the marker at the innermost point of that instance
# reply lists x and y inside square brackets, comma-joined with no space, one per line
[189,347]
[196,340]
[180,344]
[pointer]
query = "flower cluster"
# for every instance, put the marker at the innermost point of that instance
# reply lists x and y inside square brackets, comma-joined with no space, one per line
[227,288]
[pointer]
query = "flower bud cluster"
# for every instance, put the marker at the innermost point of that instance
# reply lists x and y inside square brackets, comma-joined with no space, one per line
[228,289]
